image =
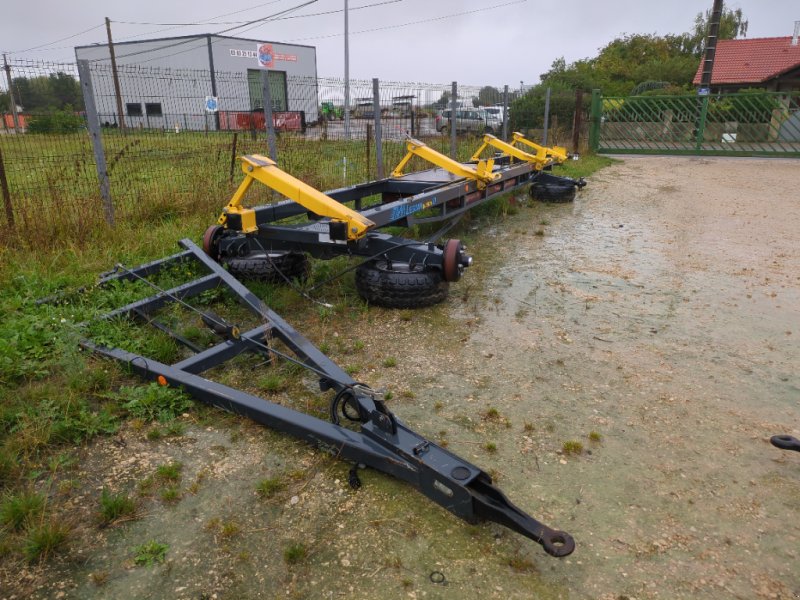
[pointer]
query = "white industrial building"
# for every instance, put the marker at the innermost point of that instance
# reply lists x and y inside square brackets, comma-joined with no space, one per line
[166,82]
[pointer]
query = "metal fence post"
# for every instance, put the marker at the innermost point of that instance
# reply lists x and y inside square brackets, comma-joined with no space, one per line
[376,109]
[453,110]
[268,122]
[546,116]
[701,123]
[594,130]
[505,113]
[93,124]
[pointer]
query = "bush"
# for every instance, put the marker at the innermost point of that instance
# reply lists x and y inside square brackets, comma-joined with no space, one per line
[58,121]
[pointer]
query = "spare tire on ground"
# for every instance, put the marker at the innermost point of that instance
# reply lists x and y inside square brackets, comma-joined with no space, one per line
[398,285]
[552,188]
[273,267]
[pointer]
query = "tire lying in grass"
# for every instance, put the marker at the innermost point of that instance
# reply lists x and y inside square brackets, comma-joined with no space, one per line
[551,188]
[396,285]
[273,267]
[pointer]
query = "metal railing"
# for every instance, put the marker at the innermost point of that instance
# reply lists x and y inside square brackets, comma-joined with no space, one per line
[743,124]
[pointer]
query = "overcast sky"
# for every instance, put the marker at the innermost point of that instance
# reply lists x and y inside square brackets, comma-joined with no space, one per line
[470,41]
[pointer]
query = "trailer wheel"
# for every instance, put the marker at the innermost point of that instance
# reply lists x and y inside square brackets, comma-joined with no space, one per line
[396,285]
[274,267]
[550,188]
[210,241]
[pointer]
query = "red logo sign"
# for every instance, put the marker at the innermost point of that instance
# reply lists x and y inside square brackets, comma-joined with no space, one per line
[266,57]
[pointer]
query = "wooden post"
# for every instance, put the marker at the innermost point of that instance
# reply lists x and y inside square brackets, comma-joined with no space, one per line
[577,122]
[233,154]
[6,192]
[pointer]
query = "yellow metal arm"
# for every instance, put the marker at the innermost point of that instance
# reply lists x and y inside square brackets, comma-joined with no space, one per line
[482,172]
[557,153]
[260,168]
[538,160]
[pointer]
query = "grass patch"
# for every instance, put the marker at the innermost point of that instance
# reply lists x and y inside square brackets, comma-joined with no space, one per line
[18,509]
[43,539]
[170,471]
[115,506]
[150,553]
[294,553]
[572,447]
[267,488]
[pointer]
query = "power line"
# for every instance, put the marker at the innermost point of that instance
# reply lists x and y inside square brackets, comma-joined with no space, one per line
[256,23]
[461,14]
[69,37]
[327,12]
[201,22]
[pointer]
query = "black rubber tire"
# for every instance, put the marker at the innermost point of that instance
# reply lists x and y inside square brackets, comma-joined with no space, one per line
[259,267]
[400,287]
[551,188]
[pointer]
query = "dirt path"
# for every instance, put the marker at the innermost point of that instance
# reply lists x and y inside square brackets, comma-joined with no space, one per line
[659,314]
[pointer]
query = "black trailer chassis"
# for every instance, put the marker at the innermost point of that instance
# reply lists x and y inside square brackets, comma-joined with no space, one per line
[382,441]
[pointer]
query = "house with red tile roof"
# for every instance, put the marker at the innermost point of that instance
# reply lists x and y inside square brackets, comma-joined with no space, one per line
[770,63]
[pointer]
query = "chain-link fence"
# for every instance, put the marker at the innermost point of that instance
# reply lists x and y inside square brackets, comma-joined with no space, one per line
[169,138]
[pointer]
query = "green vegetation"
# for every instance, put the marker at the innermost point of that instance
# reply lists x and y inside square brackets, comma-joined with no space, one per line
[572,447]
[267,488]
[150,553]
[594,436]
[632,63]
[44,538]
[115,506]
[294,553]
[169,472]
[18,509]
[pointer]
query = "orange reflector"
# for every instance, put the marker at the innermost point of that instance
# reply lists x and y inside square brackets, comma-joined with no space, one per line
[162,380]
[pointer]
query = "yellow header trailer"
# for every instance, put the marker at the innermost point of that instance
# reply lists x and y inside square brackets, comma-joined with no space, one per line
[558,154]
[482,173]
[260,168]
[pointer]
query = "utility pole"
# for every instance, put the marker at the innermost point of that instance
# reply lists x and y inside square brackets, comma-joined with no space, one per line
[114,73]
[346,74]
[12,100]
[711,45]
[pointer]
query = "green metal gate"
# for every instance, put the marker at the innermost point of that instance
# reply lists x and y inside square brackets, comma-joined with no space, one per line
[743,124]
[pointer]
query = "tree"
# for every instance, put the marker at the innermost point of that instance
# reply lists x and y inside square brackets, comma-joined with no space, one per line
[628,61]
[732,25]
[48,92]
[444,101]
[488,96]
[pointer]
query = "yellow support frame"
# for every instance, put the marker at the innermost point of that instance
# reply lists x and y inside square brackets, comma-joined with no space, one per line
[482,172]
[538,160]
[263,169]
[557,153]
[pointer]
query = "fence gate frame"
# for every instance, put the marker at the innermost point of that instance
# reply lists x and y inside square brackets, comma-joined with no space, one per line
[765,124]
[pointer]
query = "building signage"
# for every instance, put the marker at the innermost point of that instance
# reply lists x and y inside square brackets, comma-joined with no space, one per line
[212,104]
[243,53]
[265,54]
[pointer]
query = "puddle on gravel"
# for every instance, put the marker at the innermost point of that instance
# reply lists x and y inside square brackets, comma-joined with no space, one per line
[675,337]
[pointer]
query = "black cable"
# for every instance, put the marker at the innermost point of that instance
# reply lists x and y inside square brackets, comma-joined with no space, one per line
[461,14]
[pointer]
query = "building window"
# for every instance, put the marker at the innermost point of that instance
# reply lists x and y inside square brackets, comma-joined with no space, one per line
[153,109]
[134,109]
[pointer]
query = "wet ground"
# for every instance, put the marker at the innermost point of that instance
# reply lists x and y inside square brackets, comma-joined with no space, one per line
[654,323]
